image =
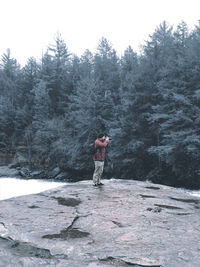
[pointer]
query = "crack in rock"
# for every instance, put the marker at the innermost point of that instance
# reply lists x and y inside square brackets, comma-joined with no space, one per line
[179,213]
[153,187]
[168,207]
[117,223]
[186,200]
[123,263]
[33,207]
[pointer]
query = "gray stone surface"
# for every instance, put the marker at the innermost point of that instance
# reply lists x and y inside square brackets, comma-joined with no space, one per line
[123,223]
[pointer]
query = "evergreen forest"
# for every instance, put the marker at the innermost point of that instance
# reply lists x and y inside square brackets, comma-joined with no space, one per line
[147,102]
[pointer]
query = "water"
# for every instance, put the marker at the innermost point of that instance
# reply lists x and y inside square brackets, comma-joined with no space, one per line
[13,187]
[195,193]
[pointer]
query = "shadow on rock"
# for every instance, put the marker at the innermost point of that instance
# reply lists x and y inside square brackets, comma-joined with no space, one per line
[70,202]
[25,249]
[67,234]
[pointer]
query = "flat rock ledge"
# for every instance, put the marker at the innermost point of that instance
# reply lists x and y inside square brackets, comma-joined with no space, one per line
[123,223]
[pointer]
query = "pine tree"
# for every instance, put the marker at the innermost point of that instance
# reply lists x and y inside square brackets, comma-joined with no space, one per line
[59,66]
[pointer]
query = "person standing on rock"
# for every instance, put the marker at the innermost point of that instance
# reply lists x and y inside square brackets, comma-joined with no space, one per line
[100,145]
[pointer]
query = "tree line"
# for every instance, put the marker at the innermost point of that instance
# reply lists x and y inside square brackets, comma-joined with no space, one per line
[148,102]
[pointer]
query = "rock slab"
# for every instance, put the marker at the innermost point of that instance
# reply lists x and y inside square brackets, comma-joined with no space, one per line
[123,223]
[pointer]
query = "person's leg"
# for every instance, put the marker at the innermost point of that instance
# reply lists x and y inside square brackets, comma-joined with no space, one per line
[101,166]
[96,172]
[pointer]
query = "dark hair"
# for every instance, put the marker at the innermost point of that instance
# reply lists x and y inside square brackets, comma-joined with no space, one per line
[101,135]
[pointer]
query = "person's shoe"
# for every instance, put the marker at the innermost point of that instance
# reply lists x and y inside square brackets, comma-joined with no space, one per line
[100,184]
[95,184]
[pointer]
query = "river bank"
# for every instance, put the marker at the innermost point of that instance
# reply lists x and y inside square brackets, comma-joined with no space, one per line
[25,172]
[33,183]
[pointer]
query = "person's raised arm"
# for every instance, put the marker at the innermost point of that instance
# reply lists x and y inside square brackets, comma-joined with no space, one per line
[98,143]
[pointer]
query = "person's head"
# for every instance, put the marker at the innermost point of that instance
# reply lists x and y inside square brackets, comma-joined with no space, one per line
[101,136]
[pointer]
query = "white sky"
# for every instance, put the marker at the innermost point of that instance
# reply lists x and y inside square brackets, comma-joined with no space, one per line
[27,27]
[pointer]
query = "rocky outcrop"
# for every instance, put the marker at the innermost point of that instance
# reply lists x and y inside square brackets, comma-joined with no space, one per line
[26,173]
[8,172]
[123,223]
